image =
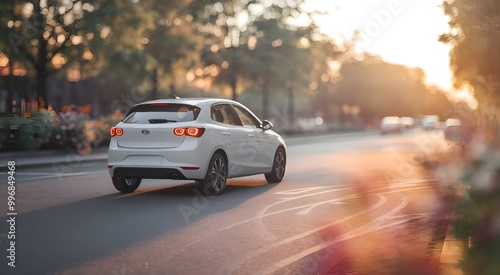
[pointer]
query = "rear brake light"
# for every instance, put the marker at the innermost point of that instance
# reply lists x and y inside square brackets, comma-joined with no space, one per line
[179,131]
[116,131]
[194,132]
[190,131]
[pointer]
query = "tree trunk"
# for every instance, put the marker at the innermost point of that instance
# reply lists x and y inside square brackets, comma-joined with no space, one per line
[233,83]
[265,99]
[172,90]
[10,86]
[291,107]
[154,77]
[41,69]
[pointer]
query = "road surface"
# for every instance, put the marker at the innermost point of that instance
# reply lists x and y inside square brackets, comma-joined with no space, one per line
[349,204]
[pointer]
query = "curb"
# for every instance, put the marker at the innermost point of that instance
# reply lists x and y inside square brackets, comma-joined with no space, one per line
[46,158]
[451,254]
[453,249]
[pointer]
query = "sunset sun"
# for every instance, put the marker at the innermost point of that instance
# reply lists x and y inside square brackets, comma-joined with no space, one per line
[400,31]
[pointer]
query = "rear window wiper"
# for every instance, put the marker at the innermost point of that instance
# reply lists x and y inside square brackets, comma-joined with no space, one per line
[160,120]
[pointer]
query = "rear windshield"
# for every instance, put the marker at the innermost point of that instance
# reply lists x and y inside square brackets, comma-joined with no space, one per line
[161,113]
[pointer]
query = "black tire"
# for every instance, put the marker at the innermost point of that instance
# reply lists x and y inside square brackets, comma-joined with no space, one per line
[279,166]
[126,185]
[215,180]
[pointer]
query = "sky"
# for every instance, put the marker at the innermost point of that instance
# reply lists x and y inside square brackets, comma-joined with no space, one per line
[400,31]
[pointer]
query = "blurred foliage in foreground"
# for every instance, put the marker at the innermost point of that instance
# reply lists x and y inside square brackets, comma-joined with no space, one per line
[476,164]
[475,25]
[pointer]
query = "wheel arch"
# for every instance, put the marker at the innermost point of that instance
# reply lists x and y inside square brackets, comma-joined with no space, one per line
[222,152]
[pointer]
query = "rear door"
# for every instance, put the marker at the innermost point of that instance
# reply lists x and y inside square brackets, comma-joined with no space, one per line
[152,125]
[233,137]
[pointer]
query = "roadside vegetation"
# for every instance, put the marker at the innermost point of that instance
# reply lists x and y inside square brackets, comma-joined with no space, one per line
[475,62]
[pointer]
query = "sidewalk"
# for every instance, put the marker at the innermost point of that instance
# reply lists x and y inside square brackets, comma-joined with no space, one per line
[47,157]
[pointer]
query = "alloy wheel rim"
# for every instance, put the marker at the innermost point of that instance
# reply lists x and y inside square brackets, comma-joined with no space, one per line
[218,174]
[280,164]
[129,182]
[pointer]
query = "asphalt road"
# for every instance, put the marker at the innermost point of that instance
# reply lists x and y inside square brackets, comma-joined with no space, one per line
[349,204]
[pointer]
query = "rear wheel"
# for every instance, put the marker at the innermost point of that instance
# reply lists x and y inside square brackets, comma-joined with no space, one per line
[279,164]
[126,185]
[215,180]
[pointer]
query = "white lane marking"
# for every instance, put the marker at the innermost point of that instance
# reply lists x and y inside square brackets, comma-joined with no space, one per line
[23,176]
[377,225]
[262,214]
[382,200]
[299,190]
[333,201]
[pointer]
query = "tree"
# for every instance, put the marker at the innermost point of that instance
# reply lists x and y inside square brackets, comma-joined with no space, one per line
[384,89]
[232,33]
[40,33]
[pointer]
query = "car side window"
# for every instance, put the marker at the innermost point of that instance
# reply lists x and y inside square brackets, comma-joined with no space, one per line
[222,113]
[247,119]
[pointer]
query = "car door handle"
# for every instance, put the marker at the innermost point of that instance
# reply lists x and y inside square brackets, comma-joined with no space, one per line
[226,134]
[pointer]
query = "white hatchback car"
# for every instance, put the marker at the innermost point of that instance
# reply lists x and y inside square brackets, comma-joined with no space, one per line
[206,140]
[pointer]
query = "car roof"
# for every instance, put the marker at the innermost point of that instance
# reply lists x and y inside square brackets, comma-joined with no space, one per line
[190,101]
[391,118]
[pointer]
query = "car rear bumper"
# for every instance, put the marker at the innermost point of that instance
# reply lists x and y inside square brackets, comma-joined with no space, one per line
[188,161]
[151,173]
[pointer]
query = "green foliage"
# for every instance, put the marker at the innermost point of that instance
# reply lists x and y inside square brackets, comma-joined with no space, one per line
[30,134]
[475,25]
[475,60]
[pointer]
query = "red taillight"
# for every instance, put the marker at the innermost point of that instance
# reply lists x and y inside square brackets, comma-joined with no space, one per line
[190,131]
[179,131]
[195,132]
[116,131]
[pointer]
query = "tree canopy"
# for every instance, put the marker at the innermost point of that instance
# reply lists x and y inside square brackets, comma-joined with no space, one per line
[384,89]
[474,35]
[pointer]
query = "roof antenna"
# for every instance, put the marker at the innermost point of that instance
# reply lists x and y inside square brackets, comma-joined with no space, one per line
[176,97]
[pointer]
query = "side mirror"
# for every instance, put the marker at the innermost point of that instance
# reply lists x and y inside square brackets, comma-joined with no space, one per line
[266,125]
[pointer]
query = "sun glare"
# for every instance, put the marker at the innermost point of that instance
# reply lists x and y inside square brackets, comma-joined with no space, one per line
[400,31]
[466,94]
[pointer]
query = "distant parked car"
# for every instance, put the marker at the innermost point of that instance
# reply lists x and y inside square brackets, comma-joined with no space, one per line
[430,122]
[452,129]
[205,140]
[390,124]
[407,122]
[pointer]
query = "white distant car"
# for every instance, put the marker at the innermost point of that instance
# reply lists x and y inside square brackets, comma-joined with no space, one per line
[206,140]
[453,130]
[390,124]
[407,122]
[431,122]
